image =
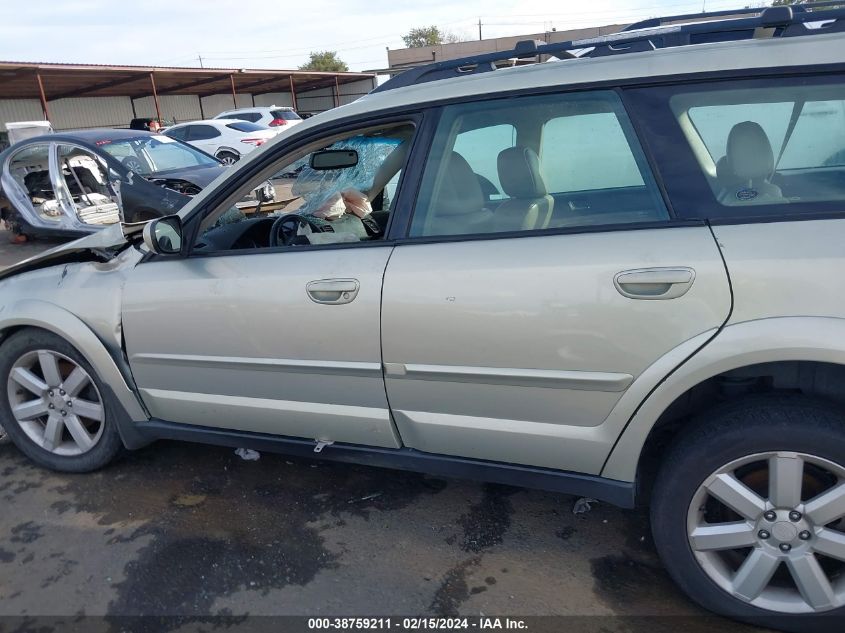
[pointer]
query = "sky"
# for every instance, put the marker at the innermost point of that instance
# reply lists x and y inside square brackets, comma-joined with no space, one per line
[280,33]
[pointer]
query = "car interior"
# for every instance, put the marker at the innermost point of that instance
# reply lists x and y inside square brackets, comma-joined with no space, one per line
[767,146]
[322,205]
[87,182]
[31,171]
[83,181]
[535,166]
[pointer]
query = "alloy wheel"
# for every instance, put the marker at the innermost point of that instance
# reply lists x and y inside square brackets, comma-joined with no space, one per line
[769,529]
[56,403]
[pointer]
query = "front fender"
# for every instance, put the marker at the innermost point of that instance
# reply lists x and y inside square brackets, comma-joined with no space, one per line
[48,316]
[820,339]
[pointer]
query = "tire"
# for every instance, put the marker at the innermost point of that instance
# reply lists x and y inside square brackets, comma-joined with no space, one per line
[228,158]
[96,411]
[744,439]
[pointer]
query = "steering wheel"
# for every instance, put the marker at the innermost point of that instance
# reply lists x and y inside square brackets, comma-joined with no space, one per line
[286,227]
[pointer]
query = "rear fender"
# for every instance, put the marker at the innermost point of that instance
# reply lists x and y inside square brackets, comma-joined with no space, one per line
[820,339]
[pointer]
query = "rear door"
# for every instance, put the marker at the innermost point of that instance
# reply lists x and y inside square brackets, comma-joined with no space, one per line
[205,137]
[515,317]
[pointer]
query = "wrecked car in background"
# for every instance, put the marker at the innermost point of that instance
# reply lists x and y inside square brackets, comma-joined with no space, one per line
[72,184]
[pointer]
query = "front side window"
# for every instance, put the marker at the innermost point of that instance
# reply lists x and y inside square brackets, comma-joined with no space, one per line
[767,145]
[534,163]
[340,190]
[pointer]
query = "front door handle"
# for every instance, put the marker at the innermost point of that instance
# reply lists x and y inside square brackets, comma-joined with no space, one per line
[654,283]
[333,291]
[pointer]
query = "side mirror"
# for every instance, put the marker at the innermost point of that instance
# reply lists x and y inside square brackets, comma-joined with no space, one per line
[333,159]
[163,236]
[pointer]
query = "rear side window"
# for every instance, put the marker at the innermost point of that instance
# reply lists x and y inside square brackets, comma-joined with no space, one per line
[287,115]
[762,147]
[481,148]
[242,116]
[535,163]
[245,126]
[202,132]
[601,156]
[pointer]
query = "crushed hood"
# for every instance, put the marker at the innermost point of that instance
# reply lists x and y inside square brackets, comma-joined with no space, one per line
[99,246]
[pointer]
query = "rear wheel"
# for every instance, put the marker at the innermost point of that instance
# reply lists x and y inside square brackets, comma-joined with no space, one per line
[228,158]
[749,513]
[56,410]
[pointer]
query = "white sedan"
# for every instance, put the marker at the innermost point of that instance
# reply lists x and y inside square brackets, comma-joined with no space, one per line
[225,139]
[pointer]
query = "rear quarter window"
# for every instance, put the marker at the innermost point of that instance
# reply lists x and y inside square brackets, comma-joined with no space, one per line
[749,148]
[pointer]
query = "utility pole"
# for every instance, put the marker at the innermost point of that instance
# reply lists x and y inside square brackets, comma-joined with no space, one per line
[199,57]
[479,28]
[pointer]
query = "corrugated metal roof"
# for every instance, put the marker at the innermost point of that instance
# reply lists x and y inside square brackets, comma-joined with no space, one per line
[18,80]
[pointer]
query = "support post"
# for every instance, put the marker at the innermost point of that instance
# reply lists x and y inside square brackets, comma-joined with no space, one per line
[293,94]
[336,92]
[234,94]
[43,97]
[155,96]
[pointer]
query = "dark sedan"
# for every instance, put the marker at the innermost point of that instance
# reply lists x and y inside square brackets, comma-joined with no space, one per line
[74,183]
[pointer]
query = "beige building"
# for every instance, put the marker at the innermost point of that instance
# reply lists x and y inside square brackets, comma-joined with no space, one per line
[403,58]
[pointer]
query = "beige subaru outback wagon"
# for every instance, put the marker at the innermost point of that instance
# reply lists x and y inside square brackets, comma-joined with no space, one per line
[618,272]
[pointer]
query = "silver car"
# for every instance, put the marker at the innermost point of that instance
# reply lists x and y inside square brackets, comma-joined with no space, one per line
[618,275]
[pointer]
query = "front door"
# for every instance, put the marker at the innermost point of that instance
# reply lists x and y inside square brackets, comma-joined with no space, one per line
[542,276]
[275,328]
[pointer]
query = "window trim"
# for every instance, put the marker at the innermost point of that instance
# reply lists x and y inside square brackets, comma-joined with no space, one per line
[694,198]
[241,178]
[631,132]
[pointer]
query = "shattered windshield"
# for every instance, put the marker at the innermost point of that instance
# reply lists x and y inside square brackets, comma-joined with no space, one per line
[146,155]
[316,187]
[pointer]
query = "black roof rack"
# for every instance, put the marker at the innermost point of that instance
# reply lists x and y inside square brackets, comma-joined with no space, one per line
[739,24]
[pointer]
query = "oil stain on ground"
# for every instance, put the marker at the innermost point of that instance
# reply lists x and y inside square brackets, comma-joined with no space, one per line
[484,526]
[217,525]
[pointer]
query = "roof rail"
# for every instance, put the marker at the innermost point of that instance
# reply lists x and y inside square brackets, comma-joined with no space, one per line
[651,23]
[781,21]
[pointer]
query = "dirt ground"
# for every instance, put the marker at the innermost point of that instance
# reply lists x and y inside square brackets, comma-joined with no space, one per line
[184,530]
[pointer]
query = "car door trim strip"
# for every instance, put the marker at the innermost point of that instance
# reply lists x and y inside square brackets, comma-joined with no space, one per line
[548,378]
[266,364]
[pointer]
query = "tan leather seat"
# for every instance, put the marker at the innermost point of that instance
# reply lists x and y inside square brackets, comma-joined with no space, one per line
[530,205]
[458,208]
[746,168]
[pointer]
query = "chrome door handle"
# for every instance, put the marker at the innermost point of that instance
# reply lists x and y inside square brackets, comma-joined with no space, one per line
[333,291]
[654,283]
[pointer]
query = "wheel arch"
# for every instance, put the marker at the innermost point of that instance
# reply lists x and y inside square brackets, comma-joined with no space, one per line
[226,148]
[47,316]
[801,354]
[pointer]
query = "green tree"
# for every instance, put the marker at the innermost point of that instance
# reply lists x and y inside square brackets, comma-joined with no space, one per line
[325,61]
[429,36]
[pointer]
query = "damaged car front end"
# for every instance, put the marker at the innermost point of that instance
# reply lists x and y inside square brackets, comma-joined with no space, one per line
[74,184]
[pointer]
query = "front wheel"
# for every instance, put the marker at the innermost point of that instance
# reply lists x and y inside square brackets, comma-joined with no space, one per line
[56,410]
[748,513]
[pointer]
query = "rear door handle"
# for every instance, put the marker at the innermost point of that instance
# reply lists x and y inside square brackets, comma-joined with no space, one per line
[654,283]
[333,291]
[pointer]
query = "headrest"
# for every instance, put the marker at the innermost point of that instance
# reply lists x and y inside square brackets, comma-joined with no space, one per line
[519,173]
[461,190]
[749,152]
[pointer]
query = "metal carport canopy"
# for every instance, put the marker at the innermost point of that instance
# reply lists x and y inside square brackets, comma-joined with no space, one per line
[49,82]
